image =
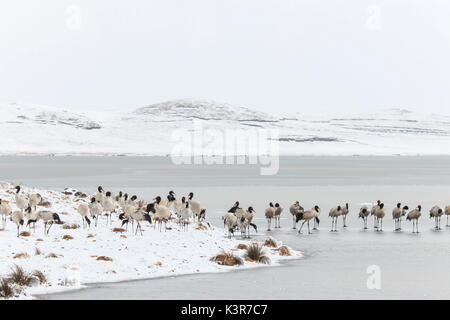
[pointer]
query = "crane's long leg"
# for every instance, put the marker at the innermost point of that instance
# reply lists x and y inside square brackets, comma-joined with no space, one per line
[300,230]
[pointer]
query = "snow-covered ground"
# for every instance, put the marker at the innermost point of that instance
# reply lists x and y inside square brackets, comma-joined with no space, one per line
[68,264]
[29,129]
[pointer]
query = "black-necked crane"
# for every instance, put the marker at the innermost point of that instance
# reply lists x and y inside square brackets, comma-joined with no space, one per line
[96,209]
[414,216]
[372,213]
[396,215]
[83,210]
[379,215]
[308,215]
[334,214]
[140,215]
[109,206]
[244,219]
[185,214]
[344,214]
[295,210]
[179,206]
[167,202]
[363,214]
[48,217]
[162,214]
[278,211]
[21,202]
[17,218]
[196,207]
[234,208]
[436,212]
[447,213]
[231,222]
[31,216]
[5,211]
[99,196]
[34,200]
[269,213]
[249,214]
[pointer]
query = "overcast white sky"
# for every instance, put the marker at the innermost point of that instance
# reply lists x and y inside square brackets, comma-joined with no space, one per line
[272,55]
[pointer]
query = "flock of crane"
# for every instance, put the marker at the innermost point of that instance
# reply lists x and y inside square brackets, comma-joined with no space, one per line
[160,211]
[104,204]
[378,211]
[238,218]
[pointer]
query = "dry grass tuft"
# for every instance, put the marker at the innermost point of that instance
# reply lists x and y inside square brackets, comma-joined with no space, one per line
[52,255]
[123,236]
[1,229]
[255,253]
[39,275]
[284,251]
[159,264]
[22,255]
[270,242]
[46,204]
[67,237]
[6,290]
[37,251]
[64,213]
[227,259]
[242,246]
[80,194]
[61,222]
[104,258]
[39,239]
[201,226]
[90,235]
[71,226]
[20,277]
[25,234]
[120,230]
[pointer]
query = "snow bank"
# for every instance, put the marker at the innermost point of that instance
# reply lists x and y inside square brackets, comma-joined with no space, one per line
[69,264]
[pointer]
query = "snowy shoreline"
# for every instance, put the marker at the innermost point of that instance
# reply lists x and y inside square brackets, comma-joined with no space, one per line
[69,257]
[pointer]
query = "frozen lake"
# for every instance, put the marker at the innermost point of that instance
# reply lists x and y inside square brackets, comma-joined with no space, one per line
[412,266]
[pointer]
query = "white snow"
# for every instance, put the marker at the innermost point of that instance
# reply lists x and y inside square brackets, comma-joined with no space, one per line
[29,129]
[154,254]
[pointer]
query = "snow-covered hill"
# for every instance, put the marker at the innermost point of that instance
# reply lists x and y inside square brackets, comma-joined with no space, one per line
[30,129]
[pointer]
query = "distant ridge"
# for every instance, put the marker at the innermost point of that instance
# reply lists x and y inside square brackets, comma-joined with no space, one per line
[33,129]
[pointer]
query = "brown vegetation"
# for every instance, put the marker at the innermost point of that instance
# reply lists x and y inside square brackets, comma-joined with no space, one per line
[227,259]
[255,253]
[270,242]
[284,251]
[104,258]
[242,246]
